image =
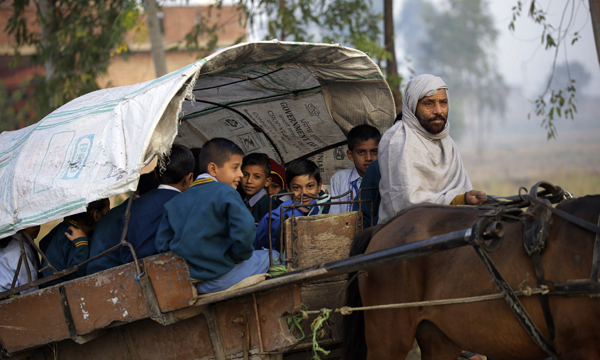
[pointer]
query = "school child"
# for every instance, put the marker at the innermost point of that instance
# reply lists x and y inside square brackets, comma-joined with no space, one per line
[67,244]
[363,141]
[304,177]
[256,170]
[277,183]
[210,226]
[10,252]
[108,231]
[146,212]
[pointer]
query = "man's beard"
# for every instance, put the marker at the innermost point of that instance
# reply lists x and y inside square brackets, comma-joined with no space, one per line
[434,128]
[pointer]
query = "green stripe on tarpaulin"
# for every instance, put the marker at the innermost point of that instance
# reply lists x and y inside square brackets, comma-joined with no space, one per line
[45,214]
[11,159]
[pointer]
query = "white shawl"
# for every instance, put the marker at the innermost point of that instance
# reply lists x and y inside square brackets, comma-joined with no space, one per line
[417,166]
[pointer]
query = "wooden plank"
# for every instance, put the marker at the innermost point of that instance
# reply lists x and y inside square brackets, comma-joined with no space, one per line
[33,319]
[97,301]
[170,277]
[319,239]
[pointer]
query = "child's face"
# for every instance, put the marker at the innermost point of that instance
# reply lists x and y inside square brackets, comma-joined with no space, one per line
[304,184]
[364,153]
[273,188]
[230,173]
[254,179]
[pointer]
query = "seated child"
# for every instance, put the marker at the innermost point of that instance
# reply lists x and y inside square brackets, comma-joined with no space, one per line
[257,170]
[278,184]
[304,177]
[67,244]
[108,231]
[210,226]
[10,252]
[363,141]
[147,211]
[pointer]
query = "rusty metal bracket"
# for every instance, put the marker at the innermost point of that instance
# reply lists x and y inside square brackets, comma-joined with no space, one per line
[64,302]
[213,331]
[242,321]
[260,342]
[152,303]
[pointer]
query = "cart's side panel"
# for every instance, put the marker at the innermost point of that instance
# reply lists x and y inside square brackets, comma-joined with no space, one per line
[313,240]
[190,338]
[170,277]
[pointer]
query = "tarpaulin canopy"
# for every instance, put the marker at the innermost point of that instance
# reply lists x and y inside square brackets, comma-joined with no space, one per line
[288,100]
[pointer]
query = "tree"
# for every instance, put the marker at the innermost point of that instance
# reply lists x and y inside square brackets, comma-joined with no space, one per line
[74,44]
[348,22]
[557,101]
[456,43]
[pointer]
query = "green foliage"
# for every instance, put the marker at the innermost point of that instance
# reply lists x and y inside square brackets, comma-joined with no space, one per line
[82,35]
[552,103]
[348,22]
[11,116]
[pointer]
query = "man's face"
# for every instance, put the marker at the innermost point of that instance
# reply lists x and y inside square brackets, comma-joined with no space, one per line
[363,154]
[230,173]
[304,184]
[254,179]
[432,112]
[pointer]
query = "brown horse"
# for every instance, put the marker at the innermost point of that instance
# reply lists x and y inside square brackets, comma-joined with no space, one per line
[487,327]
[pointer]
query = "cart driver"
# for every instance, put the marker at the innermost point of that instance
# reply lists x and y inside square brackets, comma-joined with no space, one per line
[418,159]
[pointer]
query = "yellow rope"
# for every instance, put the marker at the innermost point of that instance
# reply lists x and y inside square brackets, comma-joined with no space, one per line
[347,310]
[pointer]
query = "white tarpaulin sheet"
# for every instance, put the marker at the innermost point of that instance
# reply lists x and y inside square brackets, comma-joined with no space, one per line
[91,148]
[288,100]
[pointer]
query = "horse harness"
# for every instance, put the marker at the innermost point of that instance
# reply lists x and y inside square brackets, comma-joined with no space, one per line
[536,221]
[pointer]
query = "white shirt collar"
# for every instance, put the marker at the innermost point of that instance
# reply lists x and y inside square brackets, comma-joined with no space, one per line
[254,199]
[206,176]
[354,175]
[168,187]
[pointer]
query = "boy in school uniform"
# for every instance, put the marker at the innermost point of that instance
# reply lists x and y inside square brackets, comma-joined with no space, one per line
[277,176]
[210,226]
[67,244]
[107,233]
[147,211]
[10,253]
[363,141]
[304,177]
[256,170]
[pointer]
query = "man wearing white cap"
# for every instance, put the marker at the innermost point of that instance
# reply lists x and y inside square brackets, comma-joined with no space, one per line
[419,161]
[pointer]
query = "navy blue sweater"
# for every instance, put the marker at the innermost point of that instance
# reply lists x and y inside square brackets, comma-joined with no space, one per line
[64,253]
[146,214]
[370,180]
[209,226]
[106,235]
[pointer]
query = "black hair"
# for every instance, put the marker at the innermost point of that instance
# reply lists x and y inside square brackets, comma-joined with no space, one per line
[147,182]
[87,217]
[178,165]
[218,151]
[301,167]
[362,133]
[196,152]
[260,160]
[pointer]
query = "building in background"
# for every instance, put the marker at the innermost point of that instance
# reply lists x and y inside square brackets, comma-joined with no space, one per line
[134,67]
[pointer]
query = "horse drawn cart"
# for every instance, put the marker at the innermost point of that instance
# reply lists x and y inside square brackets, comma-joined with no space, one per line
[288,100]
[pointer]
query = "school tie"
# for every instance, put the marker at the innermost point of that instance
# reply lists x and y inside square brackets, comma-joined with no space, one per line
[353,194]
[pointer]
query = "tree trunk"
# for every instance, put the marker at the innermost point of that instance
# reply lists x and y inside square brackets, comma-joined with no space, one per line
[45,9]
[391,64]
[595,11]
[158,53]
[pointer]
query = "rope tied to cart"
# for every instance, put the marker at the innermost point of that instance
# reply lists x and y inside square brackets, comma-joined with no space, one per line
[347,310]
